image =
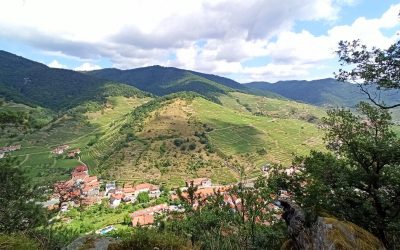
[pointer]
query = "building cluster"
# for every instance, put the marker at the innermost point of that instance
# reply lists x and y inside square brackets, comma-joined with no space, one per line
[4,150]
[129,193]
[63,149]
[73,153]
[83,189]
[60,149]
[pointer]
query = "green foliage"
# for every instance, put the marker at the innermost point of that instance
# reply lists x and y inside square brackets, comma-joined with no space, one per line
[221,225]
[261,151]
[357,180]
[18,211]
[143,197]
[164,81]
[192,146]
[178,142]
[32,83]
[376,67]
[149,239]
[17,242]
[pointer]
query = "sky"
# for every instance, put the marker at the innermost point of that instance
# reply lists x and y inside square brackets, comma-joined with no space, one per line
[246,40]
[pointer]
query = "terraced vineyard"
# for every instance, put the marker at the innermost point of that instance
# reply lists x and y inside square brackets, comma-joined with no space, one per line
[174,138]
[35,155]
[245,134]
[233,138]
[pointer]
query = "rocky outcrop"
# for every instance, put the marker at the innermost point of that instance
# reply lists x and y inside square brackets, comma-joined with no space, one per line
[326,233]
[91,243]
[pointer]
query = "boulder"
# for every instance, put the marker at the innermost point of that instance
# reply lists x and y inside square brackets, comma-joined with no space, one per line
[326,233]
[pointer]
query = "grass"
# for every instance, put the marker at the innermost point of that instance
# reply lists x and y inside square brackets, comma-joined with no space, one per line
[35,155]
[242,127]
[237,133]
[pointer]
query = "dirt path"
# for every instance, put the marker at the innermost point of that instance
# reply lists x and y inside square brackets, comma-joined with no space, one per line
[24,160]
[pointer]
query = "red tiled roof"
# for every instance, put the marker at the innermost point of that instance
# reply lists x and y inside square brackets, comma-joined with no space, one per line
[117,196]
[143,186]
[128,189]
[146,219]
[79,175]
[81,168]
[150,210]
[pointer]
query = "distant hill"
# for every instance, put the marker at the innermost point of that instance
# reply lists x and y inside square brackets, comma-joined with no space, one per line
[323,92]
[166,80]
[33,83]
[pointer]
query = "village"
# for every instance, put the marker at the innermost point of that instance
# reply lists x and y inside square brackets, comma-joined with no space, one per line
[7,149]
[83,190]
[86,190]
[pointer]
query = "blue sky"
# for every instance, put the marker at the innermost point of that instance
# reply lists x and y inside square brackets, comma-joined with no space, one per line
[252,40]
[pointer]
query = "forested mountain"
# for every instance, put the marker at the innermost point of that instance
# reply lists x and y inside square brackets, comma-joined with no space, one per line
[166,80]
[33,83]
[322,92]
[160,81]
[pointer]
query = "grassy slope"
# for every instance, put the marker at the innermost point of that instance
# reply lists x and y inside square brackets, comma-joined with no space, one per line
[236,130]
[35,155]
[236,135]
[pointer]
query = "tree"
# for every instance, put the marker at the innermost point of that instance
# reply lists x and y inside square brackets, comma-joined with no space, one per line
[143,197]
[18,211]
[359,178]
[374,67]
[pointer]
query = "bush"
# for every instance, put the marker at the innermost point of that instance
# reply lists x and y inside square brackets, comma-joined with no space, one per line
[149,239]
[178,142]
[261,151]
[192,146]
[17,241]
[143,197]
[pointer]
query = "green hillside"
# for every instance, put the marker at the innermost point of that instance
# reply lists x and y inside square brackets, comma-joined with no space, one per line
[35,84]
[166,80]
[322,92]
[170,139]
[79,128]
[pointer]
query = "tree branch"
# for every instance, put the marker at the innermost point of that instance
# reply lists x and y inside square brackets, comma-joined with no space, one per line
[375,102]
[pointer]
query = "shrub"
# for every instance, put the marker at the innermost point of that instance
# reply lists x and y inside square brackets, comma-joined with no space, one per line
[178,142]
[149,239]
[192,146]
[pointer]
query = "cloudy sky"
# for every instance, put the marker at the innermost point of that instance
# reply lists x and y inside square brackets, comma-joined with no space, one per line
[247,40]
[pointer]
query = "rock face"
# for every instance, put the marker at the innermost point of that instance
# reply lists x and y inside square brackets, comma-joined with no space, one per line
[90,242]
[326,233]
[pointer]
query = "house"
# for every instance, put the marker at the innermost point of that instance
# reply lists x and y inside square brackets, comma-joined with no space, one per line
[130,194]
[80,172]
[265,168]
[90,200]
[91,186]
[73,153]
[146,216]
[81,188]
[10,148]
[60,149]
[115,200]
[110,186]
[199,182]
[153,190]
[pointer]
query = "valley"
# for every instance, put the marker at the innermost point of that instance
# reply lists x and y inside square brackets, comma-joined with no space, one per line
[217,140]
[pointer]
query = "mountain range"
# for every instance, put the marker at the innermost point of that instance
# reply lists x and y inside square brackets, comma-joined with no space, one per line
[158,124]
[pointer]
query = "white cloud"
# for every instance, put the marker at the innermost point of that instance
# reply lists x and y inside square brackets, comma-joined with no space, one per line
[56,64]
[214,36]
[87,67]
